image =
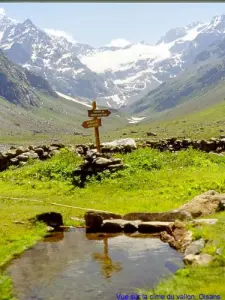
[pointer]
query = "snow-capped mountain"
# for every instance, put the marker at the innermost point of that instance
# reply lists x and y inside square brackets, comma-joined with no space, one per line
[53,58]
[115,74]
[5,22]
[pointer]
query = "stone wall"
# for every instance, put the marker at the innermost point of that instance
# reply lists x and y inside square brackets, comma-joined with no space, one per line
[216,145]
[20,155]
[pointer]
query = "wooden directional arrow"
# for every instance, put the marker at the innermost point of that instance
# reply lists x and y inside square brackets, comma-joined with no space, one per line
[96,121]
[92,123]
[99,113]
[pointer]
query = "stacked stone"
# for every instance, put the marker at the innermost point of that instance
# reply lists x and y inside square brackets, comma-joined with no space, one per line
[215,145]
[96,163]
[20,156]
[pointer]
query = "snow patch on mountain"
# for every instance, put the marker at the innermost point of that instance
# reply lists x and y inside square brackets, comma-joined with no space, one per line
[119,43]
[60,33]
[194,32]
[101,62]
[73,99]
[135,120]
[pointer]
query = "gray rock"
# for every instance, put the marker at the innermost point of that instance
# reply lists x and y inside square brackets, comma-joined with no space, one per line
[31,154]
[23,157]
[116,167]
[31,147]
[20,150]
[52,148]
[102,161]
[11,153]
[45,155]
[122,142]
[201,259]
[14,161]
[204,204]
[187,239]
[170,216]
[39,151]
[219,251]
[205,221]
[149,133]
[195,247]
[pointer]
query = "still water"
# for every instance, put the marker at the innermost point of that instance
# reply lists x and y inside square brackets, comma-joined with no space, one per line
[75,266]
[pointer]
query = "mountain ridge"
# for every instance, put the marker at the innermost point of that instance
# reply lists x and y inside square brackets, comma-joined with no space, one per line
[114,76]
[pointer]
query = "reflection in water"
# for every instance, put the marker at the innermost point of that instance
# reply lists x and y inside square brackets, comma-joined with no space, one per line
[77,267]
[54,237]
[107,265]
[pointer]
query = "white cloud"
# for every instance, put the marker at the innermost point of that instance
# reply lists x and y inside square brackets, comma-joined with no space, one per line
[2,12]
[60,33]
[121,43]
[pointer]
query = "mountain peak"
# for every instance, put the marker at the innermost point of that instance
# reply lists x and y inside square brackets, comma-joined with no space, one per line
[118,43]
[28,22]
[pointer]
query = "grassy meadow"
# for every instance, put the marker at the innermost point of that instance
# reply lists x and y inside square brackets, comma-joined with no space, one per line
[153,181]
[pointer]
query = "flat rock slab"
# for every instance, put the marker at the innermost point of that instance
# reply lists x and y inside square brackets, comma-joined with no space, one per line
[118,225]
[155,227]
[169,216]
[205,221]
[122,222]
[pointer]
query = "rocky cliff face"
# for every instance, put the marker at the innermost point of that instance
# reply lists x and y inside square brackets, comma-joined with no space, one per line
[20,86]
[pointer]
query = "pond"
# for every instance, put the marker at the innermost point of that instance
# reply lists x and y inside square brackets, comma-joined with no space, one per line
[73,265]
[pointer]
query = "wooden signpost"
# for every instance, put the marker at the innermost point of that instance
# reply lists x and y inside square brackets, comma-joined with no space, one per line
[92,123]
[99,113]
[96,122]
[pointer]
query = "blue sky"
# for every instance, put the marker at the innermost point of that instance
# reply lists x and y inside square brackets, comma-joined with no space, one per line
[99,23]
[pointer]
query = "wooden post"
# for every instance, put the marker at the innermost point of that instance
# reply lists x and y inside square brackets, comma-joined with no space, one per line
[97,137]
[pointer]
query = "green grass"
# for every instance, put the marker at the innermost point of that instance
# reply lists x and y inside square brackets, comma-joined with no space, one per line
[201,124]
[197,123]
[153,182]
[54,119]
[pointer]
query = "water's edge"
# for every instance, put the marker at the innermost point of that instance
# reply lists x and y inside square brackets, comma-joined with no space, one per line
[91,266]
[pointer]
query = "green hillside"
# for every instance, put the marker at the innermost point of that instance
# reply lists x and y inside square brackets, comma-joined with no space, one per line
[53,119]
[202,123]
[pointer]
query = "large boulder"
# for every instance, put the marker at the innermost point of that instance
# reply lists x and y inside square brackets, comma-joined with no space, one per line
[124,145]
[52,219]
[204,204]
